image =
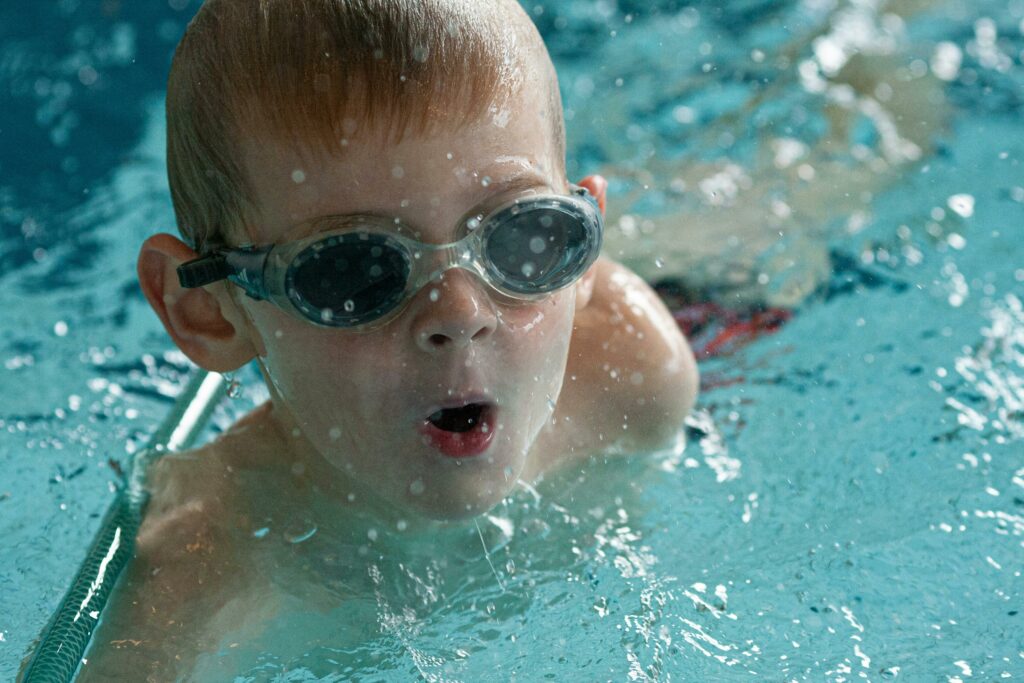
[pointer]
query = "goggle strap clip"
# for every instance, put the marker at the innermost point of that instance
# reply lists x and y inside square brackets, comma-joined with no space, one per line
[203,271]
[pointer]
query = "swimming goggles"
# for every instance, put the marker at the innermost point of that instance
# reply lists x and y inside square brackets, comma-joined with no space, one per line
[361,272]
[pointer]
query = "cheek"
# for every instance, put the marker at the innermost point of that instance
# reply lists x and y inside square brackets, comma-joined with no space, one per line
[539,337]
[540,322]
[311,366]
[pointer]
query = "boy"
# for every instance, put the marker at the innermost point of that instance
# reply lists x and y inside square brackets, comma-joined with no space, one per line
[410,384]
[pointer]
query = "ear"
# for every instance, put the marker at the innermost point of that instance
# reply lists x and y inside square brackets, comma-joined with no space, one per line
[205,322]
[598,187]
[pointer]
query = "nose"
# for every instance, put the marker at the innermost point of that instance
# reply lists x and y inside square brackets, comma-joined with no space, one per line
[453,313]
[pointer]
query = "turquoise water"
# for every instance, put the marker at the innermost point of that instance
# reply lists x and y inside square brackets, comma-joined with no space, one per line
[851,502]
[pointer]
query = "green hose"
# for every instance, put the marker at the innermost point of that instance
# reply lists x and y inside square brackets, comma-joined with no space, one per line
[65,639]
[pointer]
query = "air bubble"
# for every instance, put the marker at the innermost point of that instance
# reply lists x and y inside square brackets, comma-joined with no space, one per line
[376,271]
[350,306]
[473,223]
[529,269]
[417,487]
[659,262]
[326,315]
[435,295]
[962,205]
[537,245]
[335,433]
[546,221]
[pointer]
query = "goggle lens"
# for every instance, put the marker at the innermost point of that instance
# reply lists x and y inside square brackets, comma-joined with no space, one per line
[537,250]
[348,280]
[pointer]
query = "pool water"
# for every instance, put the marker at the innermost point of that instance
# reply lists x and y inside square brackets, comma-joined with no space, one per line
[850,505]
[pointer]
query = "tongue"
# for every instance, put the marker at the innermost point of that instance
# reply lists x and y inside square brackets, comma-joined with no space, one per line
[462,419]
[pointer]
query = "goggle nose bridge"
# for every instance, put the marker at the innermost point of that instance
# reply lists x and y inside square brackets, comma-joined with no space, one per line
[434,261]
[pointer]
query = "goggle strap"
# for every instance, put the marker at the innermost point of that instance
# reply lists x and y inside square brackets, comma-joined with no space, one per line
[203,271]
[242,266]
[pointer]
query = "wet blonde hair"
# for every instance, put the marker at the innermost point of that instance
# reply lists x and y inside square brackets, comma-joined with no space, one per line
[316,71]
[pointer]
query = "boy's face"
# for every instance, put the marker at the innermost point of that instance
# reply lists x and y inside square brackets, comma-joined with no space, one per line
[361,399]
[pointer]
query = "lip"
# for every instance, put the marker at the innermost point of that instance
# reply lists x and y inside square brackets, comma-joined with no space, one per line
[459,445]
[462,399]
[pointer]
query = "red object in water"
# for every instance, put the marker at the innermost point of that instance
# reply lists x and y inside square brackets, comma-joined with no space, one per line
[715,331]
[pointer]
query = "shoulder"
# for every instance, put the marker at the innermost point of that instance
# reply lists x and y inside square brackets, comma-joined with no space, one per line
[631,377]
[157,603]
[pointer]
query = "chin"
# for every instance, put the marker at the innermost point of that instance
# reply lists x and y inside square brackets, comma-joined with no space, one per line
[454,506]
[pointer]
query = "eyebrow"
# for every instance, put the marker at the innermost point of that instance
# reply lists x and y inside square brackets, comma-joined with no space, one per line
[495,190]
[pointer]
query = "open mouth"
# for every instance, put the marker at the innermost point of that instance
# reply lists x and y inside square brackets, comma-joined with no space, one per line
[461,419]
[460,431]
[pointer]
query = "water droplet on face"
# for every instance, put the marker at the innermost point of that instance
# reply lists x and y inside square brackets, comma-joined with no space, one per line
[397,172]
[298,176]
[449,156]
[435,295]
[417,487]
[401,525]
[529,269]
[372,535]
[350,306]
[234,388]
[537,245]
[473,223]
[659,262]
[485,181]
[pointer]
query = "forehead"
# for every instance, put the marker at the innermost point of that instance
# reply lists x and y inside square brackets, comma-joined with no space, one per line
[440,175]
